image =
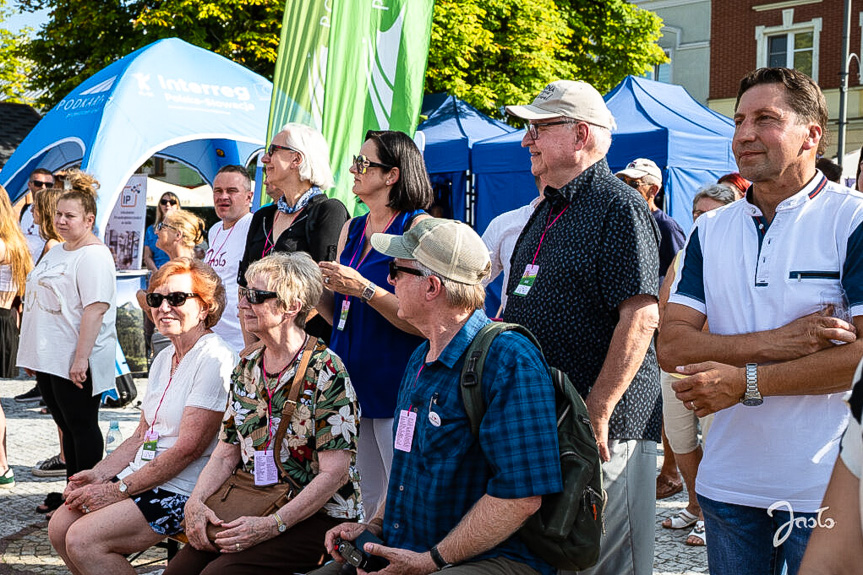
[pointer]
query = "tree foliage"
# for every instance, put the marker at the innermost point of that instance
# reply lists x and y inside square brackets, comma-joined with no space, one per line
[15,69]
[487,52]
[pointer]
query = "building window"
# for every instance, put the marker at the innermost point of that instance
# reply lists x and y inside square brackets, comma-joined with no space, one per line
[792,45]
[792,50]
[661,72]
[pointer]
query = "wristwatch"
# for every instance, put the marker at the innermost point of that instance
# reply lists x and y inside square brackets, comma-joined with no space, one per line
[438,559]
[121,485]
[369,292]
[752,397]
[279,523]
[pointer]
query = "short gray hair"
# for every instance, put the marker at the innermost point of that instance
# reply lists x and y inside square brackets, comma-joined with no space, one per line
[458,294]
[718,192]
[315,165]
[294,276]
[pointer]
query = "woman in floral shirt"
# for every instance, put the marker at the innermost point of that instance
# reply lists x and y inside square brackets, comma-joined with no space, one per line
[318,451]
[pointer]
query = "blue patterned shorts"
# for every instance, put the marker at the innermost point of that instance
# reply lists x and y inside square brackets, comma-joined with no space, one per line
[162,509]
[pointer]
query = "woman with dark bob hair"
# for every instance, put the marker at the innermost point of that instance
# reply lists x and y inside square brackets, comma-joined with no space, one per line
[390,178]
[135,496]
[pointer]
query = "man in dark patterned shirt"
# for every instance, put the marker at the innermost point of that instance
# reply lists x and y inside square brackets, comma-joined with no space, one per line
[584,280]
[455,498]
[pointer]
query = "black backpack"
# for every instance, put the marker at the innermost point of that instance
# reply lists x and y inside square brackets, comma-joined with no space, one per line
[566,530]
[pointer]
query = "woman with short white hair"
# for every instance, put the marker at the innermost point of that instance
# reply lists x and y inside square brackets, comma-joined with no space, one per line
[302,217]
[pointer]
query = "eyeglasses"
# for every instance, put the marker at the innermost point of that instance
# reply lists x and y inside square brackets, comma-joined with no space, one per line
[533,130]
[161,225]
[41,184]
[256,296]
[168,202]
[634,184]
[395,269]
[362,164]
[174,299]
[273,148]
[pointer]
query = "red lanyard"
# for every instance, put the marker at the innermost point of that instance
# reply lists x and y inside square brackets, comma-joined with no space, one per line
[269,244]
[362,241]
[270,393]
[547,227]
[167,387]
[217,252]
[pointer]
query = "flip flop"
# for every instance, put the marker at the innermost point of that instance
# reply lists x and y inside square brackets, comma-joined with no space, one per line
[53,501]
[682,520]
[665,487]
[697,537]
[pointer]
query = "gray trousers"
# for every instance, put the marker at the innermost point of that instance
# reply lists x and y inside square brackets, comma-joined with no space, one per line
[629,478]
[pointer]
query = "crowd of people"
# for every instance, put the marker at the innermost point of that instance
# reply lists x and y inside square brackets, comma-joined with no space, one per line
[306,383]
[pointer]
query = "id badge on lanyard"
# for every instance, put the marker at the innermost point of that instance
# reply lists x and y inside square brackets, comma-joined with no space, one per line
[151,442]
[265,468]
[343,316]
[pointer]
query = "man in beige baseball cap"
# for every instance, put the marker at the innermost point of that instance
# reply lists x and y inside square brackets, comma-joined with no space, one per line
[584,281]
[503,471]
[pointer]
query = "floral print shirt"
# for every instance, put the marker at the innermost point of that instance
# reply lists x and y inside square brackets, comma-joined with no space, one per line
[327,417]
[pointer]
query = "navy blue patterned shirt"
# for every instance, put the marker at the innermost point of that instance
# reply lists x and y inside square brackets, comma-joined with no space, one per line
[433,486]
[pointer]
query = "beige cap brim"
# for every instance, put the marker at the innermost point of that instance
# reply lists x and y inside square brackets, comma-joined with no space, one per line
[531,112]
[393,246]
[632,173]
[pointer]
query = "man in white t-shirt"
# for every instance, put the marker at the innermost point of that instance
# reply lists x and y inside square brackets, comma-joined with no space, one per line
[232,198]
[769,274]
[40,179]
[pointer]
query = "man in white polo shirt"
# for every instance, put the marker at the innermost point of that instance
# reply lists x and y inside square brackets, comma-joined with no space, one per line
[232,198]
[769,274]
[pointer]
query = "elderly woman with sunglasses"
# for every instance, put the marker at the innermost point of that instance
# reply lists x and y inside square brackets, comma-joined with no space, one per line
[135,496]
[315,456]
[303,218]
[390,178]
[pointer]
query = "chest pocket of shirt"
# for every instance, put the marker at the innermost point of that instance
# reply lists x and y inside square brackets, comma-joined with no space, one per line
[449,439]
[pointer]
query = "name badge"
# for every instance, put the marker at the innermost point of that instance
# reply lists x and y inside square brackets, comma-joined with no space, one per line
[526,281]
[265,468]
[343,316]
[405,430]
[151,441]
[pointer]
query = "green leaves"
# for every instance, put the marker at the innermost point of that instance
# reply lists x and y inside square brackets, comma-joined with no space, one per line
[15,69]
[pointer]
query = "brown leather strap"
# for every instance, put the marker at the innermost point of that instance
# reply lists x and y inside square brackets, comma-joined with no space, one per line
[291,405]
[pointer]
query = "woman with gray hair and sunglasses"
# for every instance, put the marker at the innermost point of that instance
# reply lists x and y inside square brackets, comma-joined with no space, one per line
[302,217]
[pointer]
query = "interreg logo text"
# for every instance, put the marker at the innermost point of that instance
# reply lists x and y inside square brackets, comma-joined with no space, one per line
[784,532]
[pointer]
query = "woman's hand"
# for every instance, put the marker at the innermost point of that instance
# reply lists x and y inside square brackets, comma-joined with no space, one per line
[198,516]
[245,532]
[343,279]
[78,372]
[79,480]
[92,497]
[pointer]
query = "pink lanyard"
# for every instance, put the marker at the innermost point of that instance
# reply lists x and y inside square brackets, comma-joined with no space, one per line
[362,241]
[268,243]
[273,392]
[167,387]
[217,252]
[547,227]
[416,379]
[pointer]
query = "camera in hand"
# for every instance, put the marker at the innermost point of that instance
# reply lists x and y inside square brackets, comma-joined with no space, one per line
[355,555]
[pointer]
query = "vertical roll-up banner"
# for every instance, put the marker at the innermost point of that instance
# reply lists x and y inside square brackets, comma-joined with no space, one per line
[347,66]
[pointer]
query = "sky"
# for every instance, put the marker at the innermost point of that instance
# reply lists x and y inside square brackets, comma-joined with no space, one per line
[19,19]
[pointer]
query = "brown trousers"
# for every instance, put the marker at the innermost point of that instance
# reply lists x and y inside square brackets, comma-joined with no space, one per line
[297,550]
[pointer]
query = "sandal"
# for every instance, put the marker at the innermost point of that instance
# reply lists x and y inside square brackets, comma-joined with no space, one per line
[666,487]
[697,537]
[53,501]
[682,520]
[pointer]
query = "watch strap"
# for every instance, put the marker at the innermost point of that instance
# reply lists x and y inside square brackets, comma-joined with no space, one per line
[438,559]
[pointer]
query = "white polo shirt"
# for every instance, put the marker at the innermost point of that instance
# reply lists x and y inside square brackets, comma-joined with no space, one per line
[747,276]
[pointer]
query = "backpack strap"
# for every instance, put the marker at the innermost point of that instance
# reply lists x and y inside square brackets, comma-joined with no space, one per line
[471,372]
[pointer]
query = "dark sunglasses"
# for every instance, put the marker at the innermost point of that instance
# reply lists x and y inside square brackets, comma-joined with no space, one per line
[274,147]
[40,184]
[161,225]
[362,164]
[256,296]
[175,299]
[168,202]
[395,269]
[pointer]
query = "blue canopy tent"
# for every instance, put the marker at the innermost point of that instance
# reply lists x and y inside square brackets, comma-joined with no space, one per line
[654,120]
[451,128]
[168,99]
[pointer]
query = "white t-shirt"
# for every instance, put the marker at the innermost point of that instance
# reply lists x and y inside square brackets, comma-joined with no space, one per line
[202,380]
[35,242]
[58,290]
[500,237]
[226,251]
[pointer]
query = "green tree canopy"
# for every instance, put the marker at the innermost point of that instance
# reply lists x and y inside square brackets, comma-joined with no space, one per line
[15,69]
[487,52]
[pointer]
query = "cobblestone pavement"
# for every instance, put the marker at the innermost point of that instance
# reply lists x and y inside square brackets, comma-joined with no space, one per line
[31,437]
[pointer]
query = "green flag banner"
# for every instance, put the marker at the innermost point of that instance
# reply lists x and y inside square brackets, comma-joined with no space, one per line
[347,66]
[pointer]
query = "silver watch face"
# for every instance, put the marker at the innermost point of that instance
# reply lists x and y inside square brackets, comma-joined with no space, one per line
[282,528]
[123,487]
[752,401]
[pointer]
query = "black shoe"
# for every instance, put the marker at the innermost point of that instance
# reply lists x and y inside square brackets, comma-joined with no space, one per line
[32,395]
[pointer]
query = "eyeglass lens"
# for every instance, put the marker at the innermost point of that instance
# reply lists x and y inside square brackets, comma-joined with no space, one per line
[167,202]
[175,299]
